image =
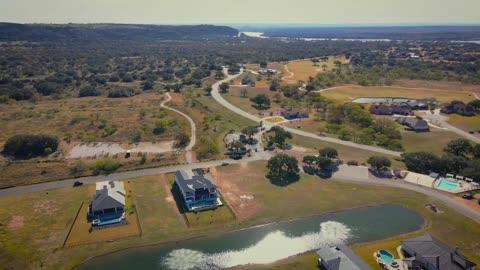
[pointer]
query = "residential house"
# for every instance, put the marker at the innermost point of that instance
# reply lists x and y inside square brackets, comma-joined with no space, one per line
[198,191]
[340,257]
[428,253]
[380,109]
[108,205]
[400,110]
[294,113]
[417,124]
[248,82]
[267,71]
[459,108]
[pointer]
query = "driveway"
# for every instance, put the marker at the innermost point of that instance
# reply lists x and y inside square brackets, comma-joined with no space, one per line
[218,97]
[441,121]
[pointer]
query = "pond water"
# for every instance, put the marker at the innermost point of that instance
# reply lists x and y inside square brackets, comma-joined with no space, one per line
[364,100]
[269,243]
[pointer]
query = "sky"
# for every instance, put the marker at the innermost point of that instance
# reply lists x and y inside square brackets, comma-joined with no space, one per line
[321,12]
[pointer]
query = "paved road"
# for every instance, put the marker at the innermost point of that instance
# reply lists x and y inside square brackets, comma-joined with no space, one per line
[193,129]
[122,175]
[218,97]
[441,121]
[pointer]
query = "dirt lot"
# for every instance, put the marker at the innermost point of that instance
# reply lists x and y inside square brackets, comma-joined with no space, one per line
[242,203]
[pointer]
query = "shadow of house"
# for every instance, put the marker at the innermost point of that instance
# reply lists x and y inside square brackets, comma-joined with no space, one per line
[458,107]
[427,252]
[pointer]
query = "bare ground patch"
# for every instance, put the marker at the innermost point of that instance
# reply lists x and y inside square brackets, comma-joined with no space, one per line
[16,223]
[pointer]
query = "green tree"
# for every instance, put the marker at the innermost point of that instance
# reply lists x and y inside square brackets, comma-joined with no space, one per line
[147,85]
[459,147]
[324,163]
[262,101]
[28,146]
[208,90]
[344,134]
[310,161]
[280,135]
[283,169]
[160,126]
[422,162]
[453,164]
[473,170]
[274,85]
[224,87]
[87,91]
[182,139]
[379,163]
[329,152]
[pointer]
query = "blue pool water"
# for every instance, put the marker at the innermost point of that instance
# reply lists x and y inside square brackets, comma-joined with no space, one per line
[447,185]
[386,256]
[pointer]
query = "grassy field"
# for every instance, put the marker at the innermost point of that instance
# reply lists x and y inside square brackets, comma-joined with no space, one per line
[433,141]
[466,123]
[221,215]
[302,70]
[345,153]
[350,92]
[160,222]
[235,97]
[90,118]
[81,234]
[443,85]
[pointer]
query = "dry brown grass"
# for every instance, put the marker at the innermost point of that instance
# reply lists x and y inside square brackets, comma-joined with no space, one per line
[302,70]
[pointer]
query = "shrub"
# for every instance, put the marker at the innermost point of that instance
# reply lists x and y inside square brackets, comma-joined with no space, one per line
[28,146]
[121,92]
[88,91]
[106,166]
[352,163]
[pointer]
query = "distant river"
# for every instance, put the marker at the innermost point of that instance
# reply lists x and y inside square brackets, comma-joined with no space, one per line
[269,243]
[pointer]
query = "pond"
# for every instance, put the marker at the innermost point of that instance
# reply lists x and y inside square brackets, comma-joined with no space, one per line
[268,243]
[364,100]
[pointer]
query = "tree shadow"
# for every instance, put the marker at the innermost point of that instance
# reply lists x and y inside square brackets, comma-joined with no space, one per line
[283,180]
[328,172]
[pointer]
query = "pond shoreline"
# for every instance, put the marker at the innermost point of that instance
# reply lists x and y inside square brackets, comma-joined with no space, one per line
[221,233]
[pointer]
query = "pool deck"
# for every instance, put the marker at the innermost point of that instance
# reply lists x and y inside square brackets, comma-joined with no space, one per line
[401,264]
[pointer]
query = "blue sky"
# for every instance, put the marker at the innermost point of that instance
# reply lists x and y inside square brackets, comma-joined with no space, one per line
[343,12]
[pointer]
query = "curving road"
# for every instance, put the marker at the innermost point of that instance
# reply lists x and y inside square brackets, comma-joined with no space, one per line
[193,129]
[218,97]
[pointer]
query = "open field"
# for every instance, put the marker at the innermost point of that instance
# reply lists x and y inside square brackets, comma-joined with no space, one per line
[433,141]
[466,123]
[345,153]
[220,215]
[350,92]
[81,234]
[160,222]
[304,69]
[91,119]
[235,97]
[443,85]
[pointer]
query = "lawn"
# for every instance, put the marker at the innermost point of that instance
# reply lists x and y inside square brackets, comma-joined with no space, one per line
[235,97]
[433,141]
[81,234]
[221,215]
[351,92]
[161,223]
[466,123]
[345,153]
[304,69]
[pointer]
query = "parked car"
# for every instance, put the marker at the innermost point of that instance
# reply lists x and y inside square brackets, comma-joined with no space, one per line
[77,183]
[467,196]
[287,147]
[225,163]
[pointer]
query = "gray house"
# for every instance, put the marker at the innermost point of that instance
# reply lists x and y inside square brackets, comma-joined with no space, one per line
[417,124]
[428,253]
[198,191]
[108,205]
[340,257]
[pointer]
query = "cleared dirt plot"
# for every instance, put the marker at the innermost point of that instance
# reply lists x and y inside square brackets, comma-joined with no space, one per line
[350,92]
[83,150]
[302,70]
[92,119]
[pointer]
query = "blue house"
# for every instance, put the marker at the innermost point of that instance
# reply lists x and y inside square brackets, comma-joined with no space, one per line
[198,191]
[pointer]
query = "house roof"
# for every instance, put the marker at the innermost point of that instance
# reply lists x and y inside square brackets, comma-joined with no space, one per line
[413,122]
[188,181]
[429,250]
[108,195]
[294,111]
[340,257]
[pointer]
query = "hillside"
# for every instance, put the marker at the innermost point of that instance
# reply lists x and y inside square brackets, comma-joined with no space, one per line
[105,32]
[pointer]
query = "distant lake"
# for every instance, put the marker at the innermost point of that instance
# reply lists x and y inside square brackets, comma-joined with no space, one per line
[269,243]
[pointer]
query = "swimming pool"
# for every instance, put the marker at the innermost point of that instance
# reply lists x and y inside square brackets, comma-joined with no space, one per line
[386,257]
[447,185]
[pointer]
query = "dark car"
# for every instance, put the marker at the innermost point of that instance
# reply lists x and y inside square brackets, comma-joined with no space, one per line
[77,183]
[467,196]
